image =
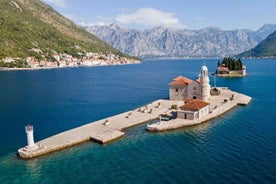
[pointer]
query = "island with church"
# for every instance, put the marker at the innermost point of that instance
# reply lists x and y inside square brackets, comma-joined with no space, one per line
[230,67]
[201,102]
[190,103]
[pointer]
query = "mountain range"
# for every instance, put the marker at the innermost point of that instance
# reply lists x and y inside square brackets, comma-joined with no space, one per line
[160,42]
[32,28]
[266,48]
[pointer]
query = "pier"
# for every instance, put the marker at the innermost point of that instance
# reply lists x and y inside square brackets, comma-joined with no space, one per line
[112,128]
[101,131]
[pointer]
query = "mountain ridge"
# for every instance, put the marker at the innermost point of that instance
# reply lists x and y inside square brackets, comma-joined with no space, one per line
[266,48]
[168,42]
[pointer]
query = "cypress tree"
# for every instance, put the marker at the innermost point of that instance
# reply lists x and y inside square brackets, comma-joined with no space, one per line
[231,63]
[218,63]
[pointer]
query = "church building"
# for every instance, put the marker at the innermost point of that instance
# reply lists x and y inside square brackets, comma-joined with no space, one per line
[182,88]
[195,94]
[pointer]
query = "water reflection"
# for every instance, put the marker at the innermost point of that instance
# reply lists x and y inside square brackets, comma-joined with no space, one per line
[33,170]
[17,170]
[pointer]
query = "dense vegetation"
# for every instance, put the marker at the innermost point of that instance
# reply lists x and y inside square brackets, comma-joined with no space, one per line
[14,64]
[266,48]
[32,28]
[231,63]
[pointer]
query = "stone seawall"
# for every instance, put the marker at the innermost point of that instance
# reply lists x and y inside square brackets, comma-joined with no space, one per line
[101,131]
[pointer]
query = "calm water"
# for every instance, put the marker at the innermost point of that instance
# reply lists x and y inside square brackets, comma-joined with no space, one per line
[238,147]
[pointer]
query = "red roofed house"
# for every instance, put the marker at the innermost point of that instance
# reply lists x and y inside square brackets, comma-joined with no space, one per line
[194,109]
[222,70]
[182,88]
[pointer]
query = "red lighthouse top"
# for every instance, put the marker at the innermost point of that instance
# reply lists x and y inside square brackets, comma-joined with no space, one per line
[29,128]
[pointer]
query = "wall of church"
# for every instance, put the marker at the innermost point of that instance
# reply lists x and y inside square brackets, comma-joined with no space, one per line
[205,92]
[205,84]
[194,91]
[178,92]
[191,91]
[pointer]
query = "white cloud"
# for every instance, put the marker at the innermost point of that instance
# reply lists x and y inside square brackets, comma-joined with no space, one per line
[93,24]
[59,3]
[198,18]
[150,17]
[100,21]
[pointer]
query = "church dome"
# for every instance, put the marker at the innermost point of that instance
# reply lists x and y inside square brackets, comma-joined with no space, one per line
[204,68]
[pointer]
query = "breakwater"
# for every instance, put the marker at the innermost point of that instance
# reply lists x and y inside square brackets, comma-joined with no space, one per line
[102,131]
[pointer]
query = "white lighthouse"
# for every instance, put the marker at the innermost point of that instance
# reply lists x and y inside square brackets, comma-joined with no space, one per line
[204,82]
[30,136]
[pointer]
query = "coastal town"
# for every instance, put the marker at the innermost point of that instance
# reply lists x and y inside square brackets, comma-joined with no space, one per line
[65,60]
[191,102]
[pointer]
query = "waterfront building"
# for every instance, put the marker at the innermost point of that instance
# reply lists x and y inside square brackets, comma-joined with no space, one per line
[182,88]
[222,70]
[195,94]
[194,109]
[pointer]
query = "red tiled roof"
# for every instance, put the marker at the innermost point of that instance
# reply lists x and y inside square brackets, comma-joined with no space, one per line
[194,105]
[221,68]
[180,81]
[186,100]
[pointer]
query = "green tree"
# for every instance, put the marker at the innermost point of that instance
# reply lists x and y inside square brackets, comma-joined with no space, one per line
[219,63]
[239,64]
[232,64]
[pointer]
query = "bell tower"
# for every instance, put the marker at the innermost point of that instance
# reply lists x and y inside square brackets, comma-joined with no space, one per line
[204,84]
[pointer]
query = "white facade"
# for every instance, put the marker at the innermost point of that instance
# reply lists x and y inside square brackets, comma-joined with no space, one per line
[178,92]
[190,115]
[30,136]
[204,82]
[194,109]
[182,88]
[194,90]
[204,111]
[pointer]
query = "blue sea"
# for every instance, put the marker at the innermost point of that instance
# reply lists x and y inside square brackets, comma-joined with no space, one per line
[238,147]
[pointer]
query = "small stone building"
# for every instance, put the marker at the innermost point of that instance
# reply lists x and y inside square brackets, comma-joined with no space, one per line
[193,109]
[182,88]
[222,70]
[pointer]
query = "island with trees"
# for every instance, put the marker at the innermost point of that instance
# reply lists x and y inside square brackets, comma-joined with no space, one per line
[229,67]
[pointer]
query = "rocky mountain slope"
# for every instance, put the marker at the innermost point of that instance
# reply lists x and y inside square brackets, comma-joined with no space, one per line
[32,28]
[166,42]
[266,48]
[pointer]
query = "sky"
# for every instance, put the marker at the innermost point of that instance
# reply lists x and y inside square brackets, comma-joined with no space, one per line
[178,14]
